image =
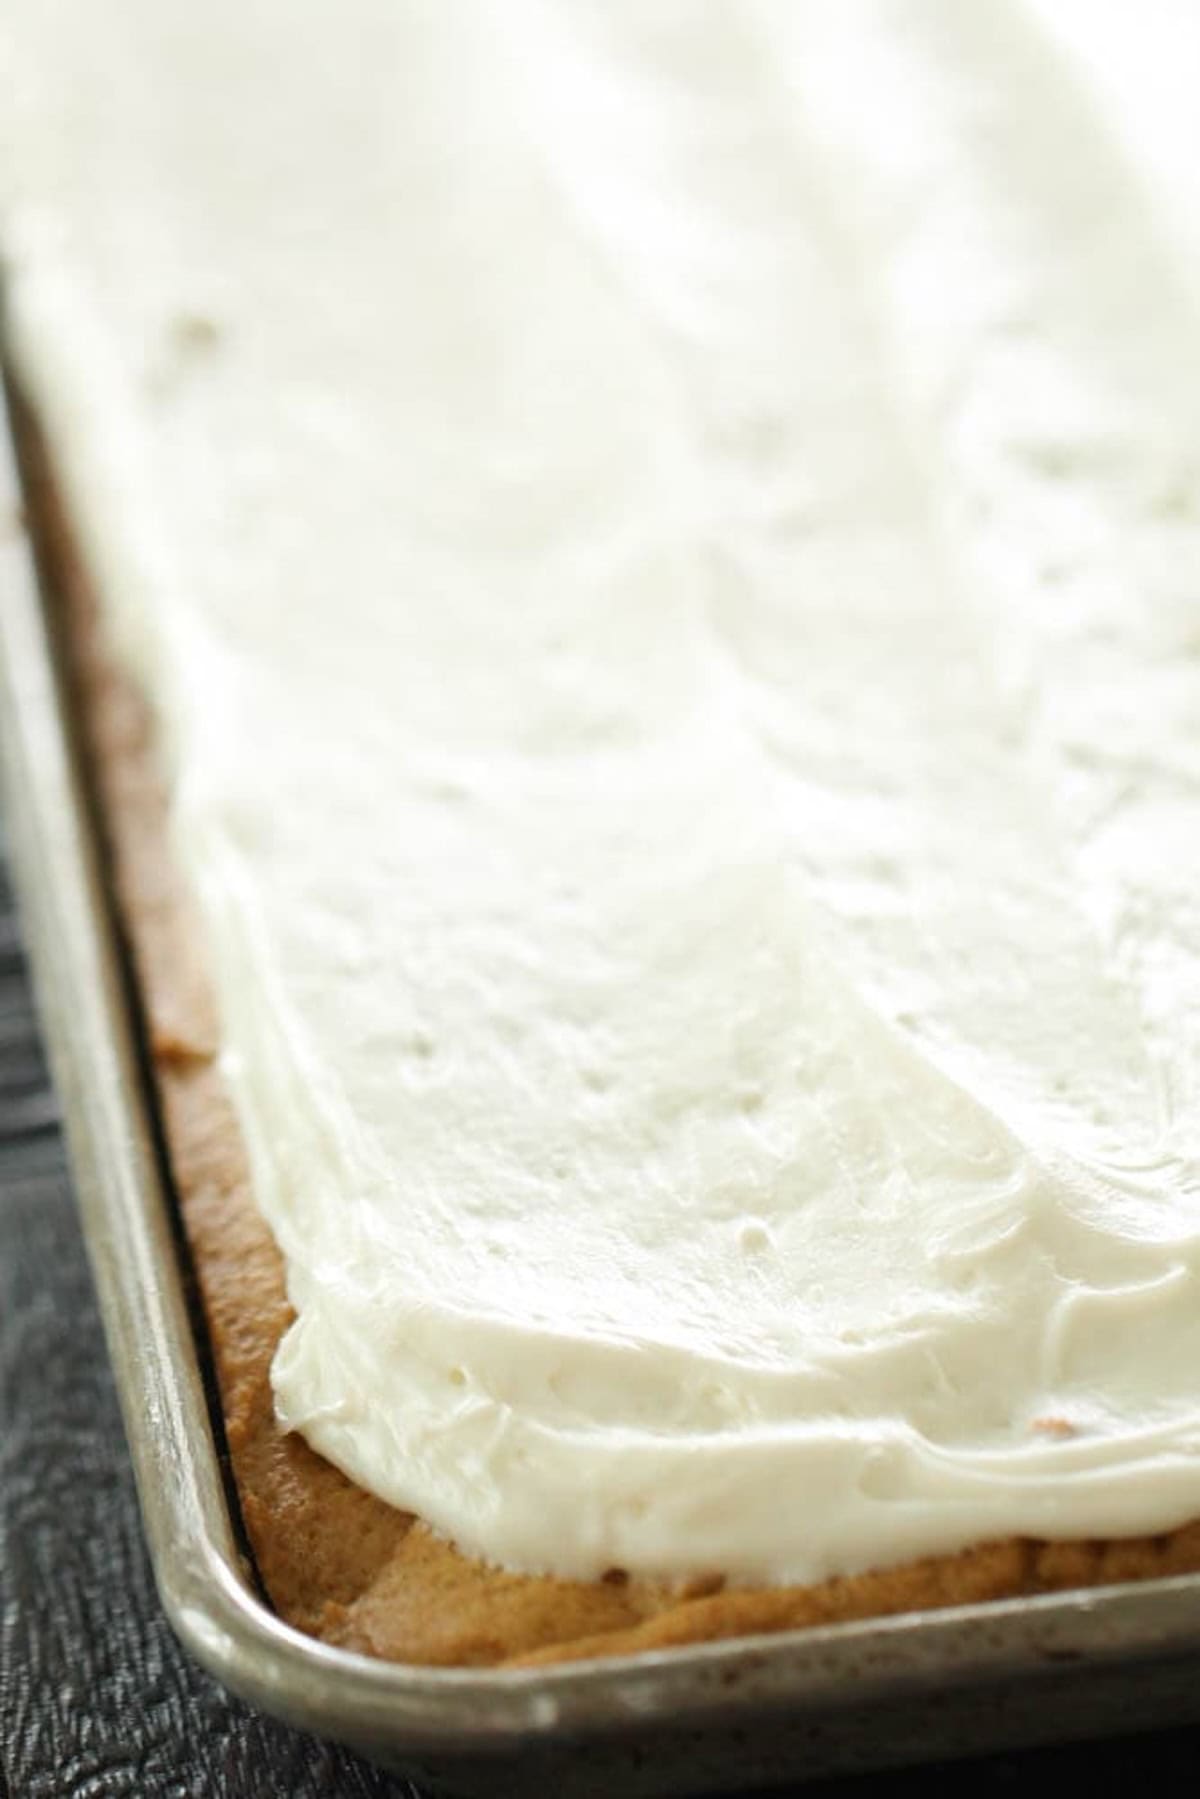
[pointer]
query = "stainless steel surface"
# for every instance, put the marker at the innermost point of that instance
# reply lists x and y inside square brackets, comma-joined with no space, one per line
[725,1714]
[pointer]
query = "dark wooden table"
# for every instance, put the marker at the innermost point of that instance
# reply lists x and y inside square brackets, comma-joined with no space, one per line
[96,1699]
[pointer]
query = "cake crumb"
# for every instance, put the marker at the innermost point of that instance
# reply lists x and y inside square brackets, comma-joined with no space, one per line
[194,331]
[1055,1427]
[700,1586]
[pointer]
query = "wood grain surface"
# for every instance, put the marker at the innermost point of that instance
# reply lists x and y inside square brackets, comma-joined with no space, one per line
[97,1701]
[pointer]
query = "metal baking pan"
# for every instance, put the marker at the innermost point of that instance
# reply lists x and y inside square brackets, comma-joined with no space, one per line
[727,1714]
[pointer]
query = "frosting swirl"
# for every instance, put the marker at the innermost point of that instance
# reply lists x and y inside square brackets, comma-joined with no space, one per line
[663,539]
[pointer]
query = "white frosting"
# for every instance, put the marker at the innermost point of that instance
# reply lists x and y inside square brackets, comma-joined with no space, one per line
[666,540]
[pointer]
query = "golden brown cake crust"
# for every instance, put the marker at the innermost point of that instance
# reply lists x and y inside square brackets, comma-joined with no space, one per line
[336,1561]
